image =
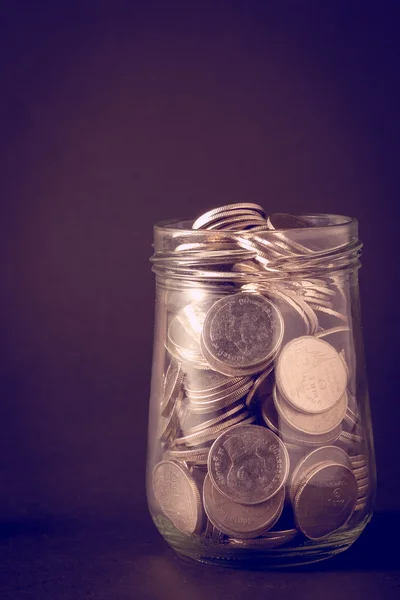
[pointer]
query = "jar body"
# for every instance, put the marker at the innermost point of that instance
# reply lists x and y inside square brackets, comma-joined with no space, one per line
[260,447]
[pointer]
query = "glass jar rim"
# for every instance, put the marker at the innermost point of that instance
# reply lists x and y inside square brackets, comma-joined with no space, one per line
[182,226]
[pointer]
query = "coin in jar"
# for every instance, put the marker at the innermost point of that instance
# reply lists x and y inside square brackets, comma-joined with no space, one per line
[325,501]
[172,384]
[311,423]
[241,332]
[241,520]
[324,454]
[178,496]
[248,464]
[310,374]
[271,539]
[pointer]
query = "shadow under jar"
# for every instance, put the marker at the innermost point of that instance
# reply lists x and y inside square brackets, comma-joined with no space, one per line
[260,447]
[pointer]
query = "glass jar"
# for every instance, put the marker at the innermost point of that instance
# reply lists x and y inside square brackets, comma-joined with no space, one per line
[260,447]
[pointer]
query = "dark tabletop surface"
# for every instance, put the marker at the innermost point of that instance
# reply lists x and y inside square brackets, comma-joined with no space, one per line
[115,560]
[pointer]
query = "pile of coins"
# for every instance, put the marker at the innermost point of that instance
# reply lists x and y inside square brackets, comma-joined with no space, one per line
[260,437]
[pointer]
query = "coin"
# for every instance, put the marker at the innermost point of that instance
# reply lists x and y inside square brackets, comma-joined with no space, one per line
[236,223]
[169,426]
[243,385]
[205,407]
[257,390]
[208,217]
[310,375]
[359,460]
[361,472]
[326,454]
[248,464]
[225,414]
[310,423]
[295,314]
[270,415]
[329,311]
[178,496]
[288,434]
[206,382]
[240,520]
[197,456]
[363,490]
[241,332]
[325,501]
[271,539]
[172,383]
[211,433]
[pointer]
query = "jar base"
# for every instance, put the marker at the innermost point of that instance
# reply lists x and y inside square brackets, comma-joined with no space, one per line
[296,554]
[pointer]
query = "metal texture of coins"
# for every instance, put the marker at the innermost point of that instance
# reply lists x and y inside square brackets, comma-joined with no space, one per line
[178,496]
[260,430]
[241,331]
[248,464]
[325,501]
[311,375]
[241,520]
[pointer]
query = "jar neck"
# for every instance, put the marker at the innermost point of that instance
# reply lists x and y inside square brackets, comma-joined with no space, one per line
[189,257]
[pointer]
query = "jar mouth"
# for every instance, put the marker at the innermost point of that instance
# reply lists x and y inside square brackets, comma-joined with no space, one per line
[321,221]
[328,243]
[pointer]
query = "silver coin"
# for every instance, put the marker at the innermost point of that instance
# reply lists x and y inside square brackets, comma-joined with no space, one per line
[269,414]
[327,332]
[243,385]
[271,539]
[330,312]
[197,456]
[178,497]
[360,506]
[359,460]
[259,383]
[246,267]
[351,422]
[210,245]
[183,338]
[240,520]
[362,481]
[241,331]
[310,423]
[211,433]
[217,536]
[363,490]
[352,437]
[236,223]
[208,217]
[168,427]
[361,472]
[220,403]
[186,358]
[310,375]
[357,464]
[172,383]
[248,464]
[225,414]
[325,501]
[288,434]
[326,454]
[207,382]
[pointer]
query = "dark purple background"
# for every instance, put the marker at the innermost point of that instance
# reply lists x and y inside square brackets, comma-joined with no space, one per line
[114,115]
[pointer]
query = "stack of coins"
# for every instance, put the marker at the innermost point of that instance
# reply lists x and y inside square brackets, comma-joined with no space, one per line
[260,433]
